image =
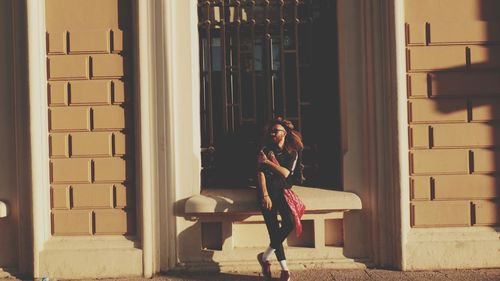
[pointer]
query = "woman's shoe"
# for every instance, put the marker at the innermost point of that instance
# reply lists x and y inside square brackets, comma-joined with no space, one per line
[265,265]
[285,275]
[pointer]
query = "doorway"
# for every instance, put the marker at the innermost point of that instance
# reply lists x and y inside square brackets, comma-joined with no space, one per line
[260,60]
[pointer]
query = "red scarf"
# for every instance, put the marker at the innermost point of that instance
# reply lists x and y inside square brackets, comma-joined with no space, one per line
[296,205]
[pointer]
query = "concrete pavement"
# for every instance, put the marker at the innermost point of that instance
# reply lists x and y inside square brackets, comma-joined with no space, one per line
[349,275]
[328,275]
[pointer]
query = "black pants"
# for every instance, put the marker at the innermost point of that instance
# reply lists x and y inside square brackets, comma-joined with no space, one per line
[278,233]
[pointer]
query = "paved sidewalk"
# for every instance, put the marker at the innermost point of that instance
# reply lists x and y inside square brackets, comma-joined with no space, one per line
[349,275]
[331,275]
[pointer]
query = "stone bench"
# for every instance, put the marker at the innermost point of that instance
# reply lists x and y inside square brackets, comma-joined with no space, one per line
[232,227]
[244,201]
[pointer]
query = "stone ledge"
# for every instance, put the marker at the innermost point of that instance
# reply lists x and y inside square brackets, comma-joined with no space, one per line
[216,201]
[97,242]
[90,257]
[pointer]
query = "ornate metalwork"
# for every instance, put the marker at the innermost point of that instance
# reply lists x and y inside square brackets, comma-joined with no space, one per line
[252,54]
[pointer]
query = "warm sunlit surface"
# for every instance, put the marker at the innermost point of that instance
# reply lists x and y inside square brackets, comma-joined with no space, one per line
[453,109]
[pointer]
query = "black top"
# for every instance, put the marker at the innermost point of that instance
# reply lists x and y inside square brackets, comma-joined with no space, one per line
[275,182]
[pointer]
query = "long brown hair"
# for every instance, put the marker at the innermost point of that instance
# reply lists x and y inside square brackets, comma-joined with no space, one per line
[293,138]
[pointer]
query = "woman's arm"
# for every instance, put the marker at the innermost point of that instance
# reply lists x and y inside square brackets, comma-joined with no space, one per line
[273,163]
[284,172]
[286,168]
[261,181]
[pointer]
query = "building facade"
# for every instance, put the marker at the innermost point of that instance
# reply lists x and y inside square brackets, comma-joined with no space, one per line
[101,133]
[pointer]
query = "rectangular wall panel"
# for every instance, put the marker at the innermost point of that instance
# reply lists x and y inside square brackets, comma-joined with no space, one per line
[453,90]
[91,132]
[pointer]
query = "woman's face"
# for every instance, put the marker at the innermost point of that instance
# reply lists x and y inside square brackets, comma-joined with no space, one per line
[277,133]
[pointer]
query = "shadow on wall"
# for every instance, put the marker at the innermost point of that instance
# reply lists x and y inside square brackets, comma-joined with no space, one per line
[205,233]
[190,235]
[190,243]
[454,109]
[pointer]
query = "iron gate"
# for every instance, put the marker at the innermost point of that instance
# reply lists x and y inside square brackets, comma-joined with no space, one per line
[254,62]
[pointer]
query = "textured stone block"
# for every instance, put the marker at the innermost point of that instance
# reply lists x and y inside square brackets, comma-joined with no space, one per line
[117,36]
[89,41]
[119,144]
[121,196]
[465,135]
[58,93]
[91,144]
[437,111]
[58,145]
[90,196]
[486,161]
[450,10]
[71,222]
[419,136]
[70,170]
[60,197]
[69,119]
[56,42]
[485,109]
[436,58]
[68,67]
[90,92]
[110,222]
[108,118]
[487,212]
[482,57]
[415,33]
[473,84]
[84,14]
[440,214]
[109,170]
[107,66]
[462,32]
[466,187]
[430,162]
[417,85]
[420,188]
[118,92]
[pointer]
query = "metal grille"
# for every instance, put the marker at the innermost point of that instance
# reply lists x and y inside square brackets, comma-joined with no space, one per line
[252,54]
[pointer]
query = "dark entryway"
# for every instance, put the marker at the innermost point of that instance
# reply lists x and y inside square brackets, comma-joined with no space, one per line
[263,59]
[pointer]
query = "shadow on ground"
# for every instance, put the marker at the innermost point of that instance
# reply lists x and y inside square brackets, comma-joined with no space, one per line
[347,275]
[213,276]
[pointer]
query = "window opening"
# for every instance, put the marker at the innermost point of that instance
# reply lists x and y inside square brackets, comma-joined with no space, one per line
[261,59]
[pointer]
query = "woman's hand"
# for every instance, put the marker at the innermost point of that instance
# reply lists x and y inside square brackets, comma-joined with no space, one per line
[273,159]
[266,202]
[272,162]
[262,158]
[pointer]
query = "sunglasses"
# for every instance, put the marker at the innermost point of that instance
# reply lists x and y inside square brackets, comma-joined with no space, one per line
[275,131]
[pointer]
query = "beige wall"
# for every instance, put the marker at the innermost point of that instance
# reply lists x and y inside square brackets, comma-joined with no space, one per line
[453,87]
[8,185]
[90,137]
[90,114]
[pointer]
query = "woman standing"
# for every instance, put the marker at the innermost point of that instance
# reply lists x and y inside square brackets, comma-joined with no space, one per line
[277,162]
